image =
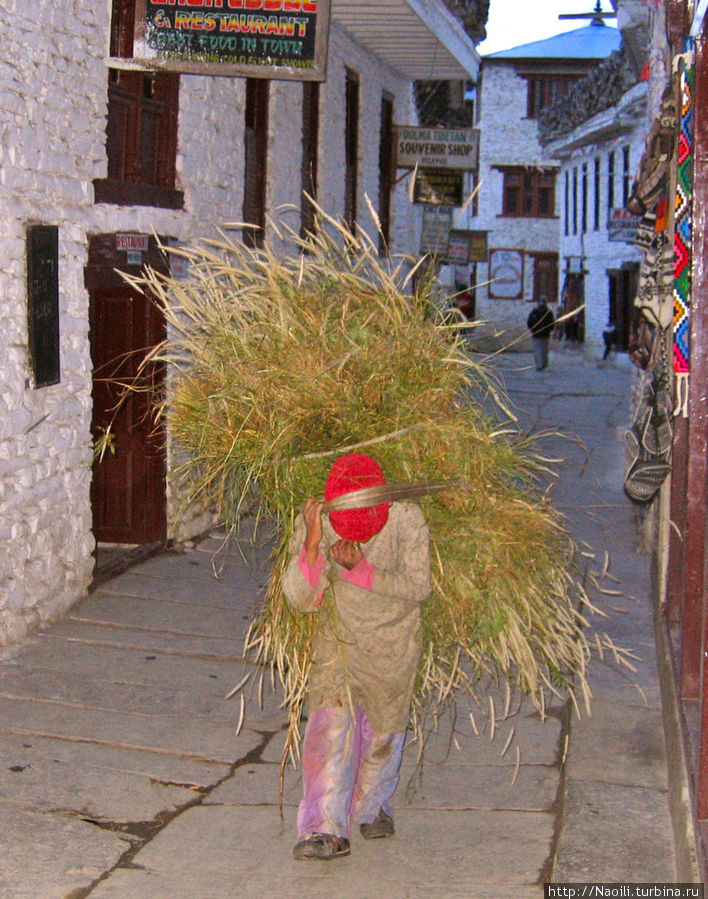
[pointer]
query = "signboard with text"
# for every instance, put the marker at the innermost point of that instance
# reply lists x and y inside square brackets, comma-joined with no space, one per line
[622,226]
[478,246]
[440,187]
[449,148]
[279,39]
[435,235]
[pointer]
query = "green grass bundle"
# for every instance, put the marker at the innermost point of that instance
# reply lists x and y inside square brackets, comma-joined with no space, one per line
[279,364]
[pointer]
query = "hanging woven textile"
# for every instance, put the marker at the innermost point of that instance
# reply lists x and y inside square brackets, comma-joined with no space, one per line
[682,234]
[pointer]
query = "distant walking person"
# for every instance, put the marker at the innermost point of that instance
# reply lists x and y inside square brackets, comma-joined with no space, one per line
[540,323]
[608,335]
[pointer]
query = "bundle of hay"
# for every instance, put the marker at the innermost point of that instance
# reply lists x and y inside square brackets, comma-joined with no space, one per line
[281,363]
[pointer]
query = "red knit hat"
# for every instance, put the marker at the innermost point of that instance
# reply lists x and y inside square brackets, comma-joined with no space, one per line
[355,472]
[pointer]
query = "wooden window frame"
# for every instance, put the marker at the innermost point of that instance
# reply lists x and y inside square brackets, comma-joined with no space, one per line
[310,156]
[575,200]
[626,175]
[255,178]
[545,90]
[524,190]
[141,130]
[351,149]
[610,182]
[584,199]
[596,198]
[386,172]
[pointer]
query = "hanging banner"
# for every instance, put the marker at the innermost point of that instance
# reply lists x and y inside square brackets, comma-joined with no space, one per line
[279,39]
[449,148]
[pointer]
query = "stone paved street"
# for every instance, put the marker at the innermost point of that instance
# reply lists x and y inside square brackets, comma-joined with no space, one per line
[124,773]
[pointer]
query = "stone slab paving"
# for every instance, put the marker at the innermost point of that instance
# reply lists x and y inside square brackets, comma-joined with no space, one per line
[136,637]
[99,782]
[126,773]
[615,822]
[246,853]
[47,856]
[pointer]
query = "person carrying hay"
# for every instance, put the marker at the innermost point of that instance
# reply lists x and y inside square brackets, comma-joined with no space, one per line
[365,571]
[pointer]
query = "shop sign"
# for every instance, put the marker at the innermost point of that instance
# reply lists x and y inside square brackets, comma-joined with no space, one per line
[440,187]
[466,246]
[435,235]
[506,274]
[479,250]
[458,248]
[132,242]
[622,226]
[449,148]
[279,39]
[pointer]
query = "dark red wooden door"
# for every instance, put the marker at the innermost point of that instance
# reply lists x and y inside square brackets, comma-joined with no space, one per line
[128,488]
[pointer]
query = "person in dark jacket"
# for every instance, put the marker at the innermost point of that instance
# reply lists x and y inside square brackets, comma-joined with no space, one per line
[540,323]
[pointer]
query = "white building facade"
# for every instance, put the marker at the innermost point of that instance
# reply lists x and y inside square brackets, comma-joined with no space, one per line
[518,202]
[599,259]
[72,216]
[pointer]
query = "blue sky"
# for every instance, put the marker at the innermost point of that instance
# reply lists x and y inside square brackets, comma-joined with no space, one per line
[515,22]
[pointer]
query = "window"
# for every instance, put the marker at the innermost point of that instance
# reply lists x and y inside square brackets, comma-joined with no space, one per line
[528,192]
[596,195]
[584,200]
[626,176]
[545,90]
[385,173]
[255,160]
[310,138]
[141,133]
[351,149]
[566,205]
[610,181]
[575,201]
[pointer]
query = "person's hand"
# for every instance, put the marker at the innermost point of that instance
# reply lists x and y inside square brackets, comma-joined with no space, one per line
[347,553]
[312,513]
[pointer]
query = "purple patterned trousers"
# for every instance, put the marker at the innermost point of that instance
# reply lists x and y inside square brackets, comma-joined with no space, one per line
[349,771]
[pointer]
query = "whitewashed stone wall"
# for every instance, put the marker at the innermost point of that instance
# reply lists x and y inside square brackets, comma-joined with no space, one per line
[613,130]
[53,99]
[52,146]
[508,137]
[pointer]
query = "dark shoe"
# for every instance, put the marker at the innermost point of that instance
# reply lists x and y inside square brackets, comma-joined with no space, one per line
[321,845]
[381,826]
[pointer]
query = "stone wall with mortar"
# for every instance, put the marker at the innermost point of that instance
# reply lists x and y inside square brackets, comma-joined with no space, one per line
[52,146]
[508,138]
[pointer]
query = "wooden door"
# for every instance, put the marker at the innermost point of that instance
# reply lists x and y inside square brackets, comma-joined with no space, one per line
[128,488]
[545,277]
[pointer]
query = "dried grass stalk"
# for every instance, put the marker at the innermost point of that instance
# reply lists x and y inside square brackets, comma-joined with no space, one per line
[279,363]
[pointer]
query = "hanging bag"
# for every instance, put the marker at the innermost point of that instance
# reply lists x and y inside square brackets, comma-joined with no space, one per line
[649,438]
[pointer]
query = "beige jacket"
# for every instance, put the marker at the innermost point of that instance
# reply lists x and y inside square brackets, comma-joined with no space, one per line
[373,642]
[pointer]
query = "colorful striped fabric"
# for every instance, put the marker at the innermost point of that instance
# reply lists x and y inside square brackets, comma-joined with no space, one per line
[682,235]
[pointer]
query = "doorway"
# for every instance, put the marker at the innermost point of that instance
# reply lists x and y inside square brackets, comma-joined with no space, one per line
[128,496]
[545,277]
[623,284]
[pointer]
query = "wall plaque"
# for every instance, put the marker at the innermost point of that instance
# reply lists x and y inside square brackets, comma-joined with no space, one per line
[506,274]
